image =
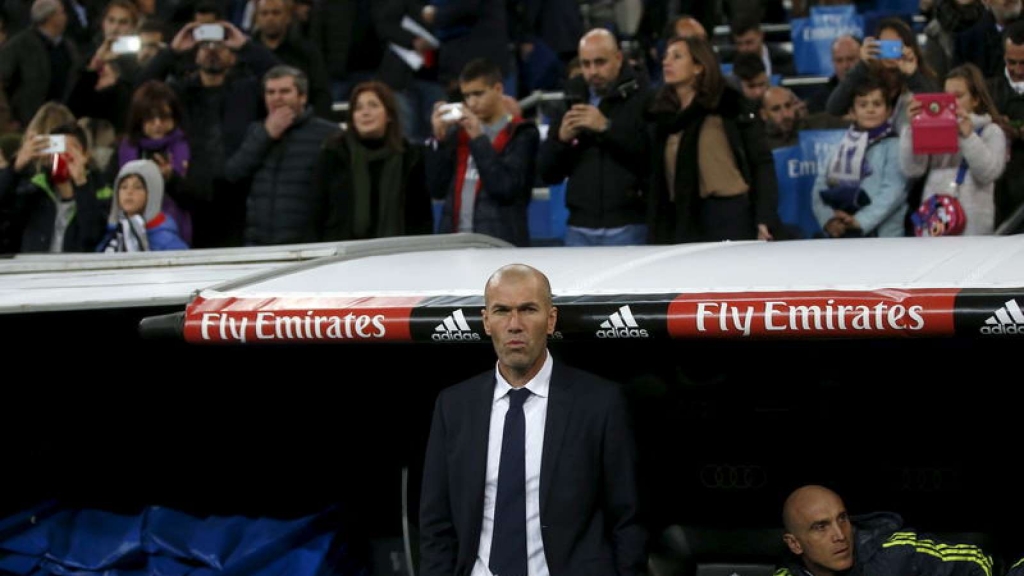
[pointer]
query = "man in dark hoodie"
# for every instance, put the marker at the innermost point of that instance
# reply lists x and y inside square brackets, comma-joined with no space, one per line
[826,541]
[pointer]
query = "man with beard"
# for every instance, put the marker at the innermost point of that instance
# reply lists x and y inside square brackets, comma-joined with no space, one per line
[982,44]
[1007,91]
[221,98]
[600,145]
[275,31]
[785,116]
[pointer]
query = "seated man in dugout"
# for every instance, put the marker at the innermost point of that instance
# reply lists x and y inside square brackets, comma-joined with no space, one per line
[824,540]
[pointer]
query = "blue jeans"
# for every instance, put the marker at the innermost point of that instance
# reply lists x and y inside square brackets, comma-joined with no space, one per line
[629,235]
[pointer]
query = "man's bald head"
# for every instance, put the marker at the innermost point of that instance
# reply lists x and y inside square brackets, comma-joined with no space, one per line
[514,273]
[801,499]
[600,59]
[687,27]
[778,109]
[845,55]
[818,530]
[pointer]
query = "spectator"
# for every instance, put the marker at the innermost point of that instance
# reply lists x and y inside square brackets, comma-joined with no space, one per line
[952,17]
[137,224]
[845,54]
[374,181]
[784,118]
[467,30]
[863,191]
[120,18]
[982,44]
[274,30]
[713,174]
[62,209]
[600,145]
[39,64]
[104,88]
[416,90]
[1007,91]
[748,38]
[482,164]
[903,77]
[279,154]
[220,100]
[344,33]
[685,25]
[154,133]
[750,76]
[970,174]
[152,39]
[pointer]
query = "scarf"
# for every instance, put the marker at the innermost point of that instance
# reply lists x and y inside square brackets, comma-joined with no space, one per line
[173,145]
[955,18]
[849,167]
[683,225]
[390,204]
[129,236]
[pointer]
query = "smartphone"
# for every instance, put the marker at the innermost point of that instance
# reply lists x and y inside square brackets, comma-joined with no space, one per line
[890,49]
[126,45]
[451,112]
[208,33]
[56,144]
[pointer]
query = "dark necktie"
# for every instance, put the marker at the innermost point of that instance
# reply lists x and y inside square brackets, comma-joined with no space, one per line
[508,542]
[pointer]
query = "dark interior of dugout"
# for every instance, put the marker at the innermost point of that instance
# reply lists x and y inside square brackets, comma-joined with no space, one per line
[100,418]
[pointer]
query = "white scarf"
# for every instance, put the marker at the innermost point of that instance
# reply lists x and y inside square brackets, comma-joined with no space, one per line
[130,236]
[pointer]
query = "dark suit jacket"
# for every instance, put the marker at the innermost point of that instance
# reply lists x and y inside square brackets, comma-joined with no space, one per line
[588,495]
[25,73]
[981,44]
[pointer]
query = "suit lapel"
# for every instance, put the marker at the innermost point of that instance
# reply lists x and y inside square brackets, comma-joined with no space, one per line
[479,429]
[559,410]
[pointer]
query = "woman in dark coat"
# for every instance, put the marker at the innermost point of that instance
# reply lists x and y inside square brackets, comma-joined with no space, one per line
[374,179]
[713,177]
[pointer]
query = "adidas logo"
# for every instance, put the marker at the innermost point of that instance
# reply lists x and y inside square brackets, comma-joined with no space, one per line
[1007,320]
[454,328]
[621,324]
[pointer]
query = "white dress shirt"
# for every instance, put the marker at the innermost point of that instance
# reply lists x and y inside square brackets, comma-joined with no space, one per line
[766,57]
[535,409]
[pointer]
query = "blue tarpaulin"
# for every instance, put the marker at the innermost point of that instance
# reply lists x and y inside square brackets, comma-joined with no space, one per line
[164,542]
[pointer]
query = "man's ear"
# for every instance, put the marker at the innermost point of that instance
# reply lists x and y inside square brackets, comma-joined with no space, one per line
[793,544]
[483,314]
[552,320]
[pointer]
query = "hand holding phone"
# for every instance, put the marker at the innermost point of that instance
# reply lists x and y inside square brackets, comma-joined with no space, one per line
[56,144]
[208,33]
[452,112]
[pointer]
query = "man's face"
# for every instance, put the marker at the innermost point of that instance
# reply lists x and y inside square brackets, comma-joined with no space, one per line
[519,318]
[779,110]
[149,45]
[272,18]
[214,57]
[1005,10]
[600,61]
[1014,58]
[750,42]
[282,93]
[483,99]
[59,19]
[118,22]
[845,54]
[822,535]
[755,88]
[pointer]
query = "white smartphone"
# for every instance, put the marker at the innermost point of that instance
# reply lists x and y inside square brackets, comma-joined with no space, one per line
[126,45]
[56,144]
[451,112]
[208,33]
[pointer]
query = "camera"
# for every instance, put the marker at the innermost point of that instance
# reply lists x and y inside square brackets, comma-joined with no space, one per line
[126,45]
[208,33]
[451,112]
